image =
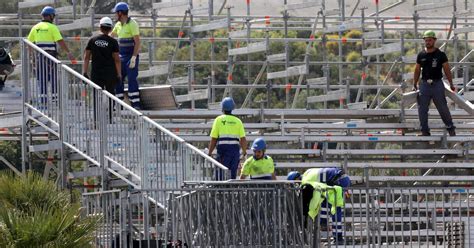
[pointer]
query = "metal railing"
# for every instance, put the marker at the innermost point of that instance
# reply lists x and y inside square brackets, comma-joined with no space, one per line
[270,214]
[105,130]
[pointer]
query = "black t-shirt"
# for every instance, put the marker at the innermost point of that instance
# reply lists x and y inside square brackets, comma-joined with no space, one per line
[102,46]
[431,64]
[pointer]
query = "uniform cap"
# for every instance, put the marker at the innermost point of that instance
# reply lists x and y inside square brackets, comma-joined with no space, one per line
[106,22]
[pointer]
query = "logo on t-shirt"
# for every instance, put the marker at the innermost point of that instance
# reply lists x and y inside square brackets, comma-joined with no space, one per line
[434,63]
[101,43]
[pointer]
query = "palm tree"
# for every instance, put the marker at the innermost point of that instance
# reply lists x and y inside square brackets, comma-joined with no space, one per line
[35,213]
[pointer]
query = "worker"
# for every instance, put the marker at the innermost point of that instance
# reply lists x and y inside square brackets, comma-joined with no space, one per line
[6,66]
[332,177]
[128,33]
[46,36]
[104,51]
[429,64]
[228,135]
[259,166]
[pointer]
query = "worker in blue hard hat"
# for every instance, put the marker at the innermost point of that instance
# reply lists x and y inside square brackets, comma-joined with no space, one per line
[331,177]
[46,36]
[228,135]
[128,33]
[260,166]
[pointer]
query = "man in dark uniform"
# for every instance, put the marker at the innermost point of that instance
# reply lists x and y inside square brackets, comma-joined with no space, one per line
[6,66]
[429,64]
[104,50]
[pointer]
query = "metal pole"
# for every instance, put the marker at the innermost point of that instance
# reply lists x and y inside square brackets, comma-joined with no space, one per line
[324,54]
[25,98]
[287,52]
[229,58]
[213,53]
[191,55]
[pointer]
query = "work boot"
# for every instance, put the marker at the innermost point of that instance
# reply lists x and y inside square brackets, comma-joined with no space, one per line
[452,132]
[425,133]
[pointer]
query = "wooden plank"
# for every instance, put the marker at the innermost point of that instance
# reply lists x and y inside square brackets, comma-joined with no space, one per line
[468,95]
[464,30]
[34,3]
[409,58]
[251,48]
[85,22]
[409,98]
[330,96]
[65,10]
[178,80]
[343,27]
[170,4]
[154,71]
[317,81]
[276,57]
[372,34]
[357,105]
[459,100]
[193,95]
[428,6]
[200,11]
[302,5]
[213,25]
[387,48]
[291,71]
[464,13]
[330,12]
[238,34]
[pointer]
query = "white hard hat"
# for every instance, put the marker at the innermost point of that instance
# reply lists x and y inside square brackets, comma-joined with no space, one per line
[106,22]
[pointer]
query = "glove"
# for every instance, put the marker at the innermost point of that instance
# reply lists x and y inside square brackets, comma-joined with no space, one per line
[85,75]
[133,60]
[452,87]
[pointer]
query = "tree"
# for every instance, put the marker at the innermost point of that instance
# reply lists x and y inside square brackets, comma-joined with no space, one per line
[35,213]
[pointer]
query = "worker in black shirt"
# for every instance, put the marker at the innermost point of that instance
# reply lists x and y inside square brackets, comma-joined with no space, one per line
[6,66]
[429,63]
[104,50]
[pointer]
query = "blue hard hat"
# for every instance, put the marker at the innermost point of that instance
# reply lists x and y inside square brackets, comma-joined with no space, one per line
[344,181]
[228,104]
[121,6]
[259,144]
[48,10]
[293,175]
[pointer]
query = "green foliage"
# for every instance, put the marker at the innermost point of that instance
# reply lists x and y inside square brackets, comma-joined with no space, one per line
[35,213]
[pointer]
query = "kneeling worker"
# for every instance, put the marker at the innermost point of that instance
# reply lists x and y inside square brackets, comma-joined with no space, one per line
[259,166]
[333,177]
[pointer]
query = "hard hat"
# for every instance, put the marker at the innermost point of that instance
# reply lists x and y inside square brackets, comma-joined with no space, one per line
[106,22]
[344,181]
[48,10]
[121,6]
[293,175]
[228,104]
[429,34]
[259,144]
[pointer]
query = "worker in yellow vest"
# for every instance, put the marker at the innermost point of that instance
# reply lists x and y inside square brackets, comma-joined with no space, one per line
[46,36]
[333,181]
[259,166]
[228,134]
[128,33]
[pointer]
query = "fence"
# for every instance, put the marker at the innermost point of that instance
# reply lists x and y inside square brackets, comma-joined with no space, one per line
[263,214]
[105,130]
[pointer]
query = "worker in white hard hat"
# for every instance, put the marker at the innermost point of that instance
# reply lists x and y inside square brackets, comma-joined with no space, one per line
[104,51]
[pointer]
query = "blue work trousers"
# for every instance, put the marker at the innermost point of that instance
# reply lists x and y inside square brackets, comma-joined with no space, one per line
[337,223]
[46,74]
[433,91]
[131,75]
[229,156]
